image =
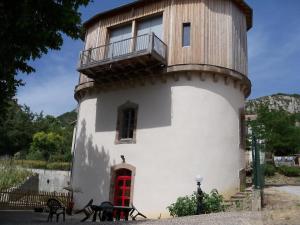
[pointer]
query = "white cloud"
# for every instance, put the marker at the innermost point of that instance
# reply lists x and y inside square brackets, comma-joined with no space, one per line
[50,92]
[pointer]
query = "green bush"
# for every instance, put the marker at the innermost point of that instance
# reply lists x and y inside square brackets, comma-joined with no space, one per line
[184,206]
[289,171]
[213,202]
[270,170]
[35,155]
[187,205]
[11,176]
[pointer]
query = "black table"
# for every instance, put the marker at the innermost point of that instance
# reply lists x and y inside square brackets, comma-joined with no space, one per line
[116,212]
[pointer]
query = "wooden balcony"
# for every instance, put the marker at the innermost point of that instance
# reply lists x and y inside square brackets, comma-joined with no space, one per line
[125,59]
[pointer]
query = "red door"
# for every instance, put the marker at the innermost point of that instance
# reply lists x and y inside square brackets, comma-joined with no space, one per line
[122,189]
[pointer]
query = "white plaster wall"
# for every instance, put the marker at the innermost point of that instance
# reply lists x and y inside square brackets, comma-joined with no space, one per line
[184,128]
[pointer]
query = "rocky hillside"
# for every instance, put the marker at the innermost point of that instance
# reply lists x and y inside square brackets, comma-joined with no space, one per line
[290,103]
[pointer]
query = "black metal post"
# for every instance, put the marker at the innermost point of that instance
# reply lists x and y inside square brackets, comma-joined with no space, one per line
[199,199]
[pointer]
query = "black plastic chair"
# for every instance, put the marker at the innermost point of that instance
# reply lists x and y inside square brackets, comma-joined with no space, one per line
[106,212]
[136,212]
[55,208]
[87,210]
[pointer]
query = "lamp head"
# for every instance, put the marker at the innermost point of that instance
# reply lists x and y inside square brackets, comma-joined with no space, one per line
[199,179]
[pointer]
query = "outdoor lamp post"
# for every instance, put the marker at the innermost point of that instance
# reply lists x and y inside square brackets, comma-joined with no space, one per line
[200,195]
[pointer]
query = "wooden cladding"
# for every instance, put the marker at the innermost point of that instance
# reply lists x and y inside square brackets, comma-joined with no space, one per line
[218,34]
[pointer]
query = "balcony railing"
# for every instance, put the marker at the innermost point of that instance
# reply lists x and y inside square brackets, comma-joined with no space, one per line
[127,49]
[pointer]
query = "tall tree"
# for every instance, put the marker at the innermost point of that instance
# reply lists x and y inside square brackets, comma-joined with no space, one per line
[277,128]
[16,129]
[28,29]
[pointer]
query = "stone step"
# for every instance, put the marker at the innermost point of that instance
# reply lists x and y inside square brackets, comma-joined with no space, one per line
[238,196]
[235,200]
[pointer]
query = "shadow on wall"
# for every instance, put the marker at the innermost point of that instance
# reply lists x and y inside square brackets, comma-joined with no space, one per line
[147,97]
[91,171]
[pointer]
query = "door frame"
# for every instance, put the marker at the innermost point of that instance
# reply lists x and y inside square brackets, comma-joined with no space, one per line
[114,169]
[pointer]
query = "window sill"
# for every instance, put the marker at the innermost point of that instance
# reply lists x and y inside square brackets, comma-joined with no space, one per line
[126,141]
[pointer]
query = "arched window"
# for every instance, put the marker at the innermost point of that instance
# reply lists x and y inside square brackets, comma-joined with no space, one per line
[126,123]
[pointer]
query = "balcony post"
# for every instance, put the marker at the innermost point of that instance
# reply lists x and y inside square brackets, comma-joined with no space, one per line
[112,50]
[134,38]
[89,55]
[151,40]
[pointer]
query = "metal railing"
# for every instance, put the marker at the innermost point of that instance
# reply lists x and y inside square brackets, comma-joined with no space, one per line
[131,46]
[18,199]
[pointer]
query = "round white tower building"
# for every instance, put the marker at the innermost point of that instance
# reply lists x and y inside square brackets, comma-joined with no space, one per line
[161,98]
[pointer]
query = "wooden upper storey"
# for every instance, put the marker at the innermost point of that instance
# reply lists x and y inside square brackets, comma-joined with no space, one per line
[218,30]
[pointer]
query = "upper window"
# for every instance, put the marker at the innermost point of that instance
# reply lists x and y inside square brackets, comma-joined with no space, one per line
[186,34]
[118,47]
[152,24]
[126,124]
[144,28]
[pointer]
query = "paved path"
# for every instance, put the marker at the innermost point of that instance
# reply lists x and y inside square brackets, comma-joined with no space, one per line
[293,190]
[241,218]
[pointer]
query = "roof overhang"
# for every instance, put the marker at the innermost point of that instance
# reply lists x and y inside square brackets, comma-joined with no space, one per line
[240,3]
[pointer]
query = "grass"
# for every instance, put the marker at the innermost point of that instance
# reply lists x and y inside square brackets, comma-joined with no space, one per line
[36,164]
[11,175]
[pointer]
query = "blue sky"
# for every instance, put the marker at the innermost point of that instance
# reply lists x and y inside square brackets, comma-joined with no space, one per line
[274,58]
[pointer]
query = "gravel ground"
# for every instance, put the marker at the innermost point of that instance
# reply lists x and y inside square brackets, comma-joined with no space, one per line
[282,206]
[232,218]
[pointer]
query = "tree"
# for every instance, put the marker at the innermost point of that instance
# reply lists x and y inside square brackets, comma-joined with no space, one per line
[16,129]
[20,125]
[28,29]
[45,145]
[277,128]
